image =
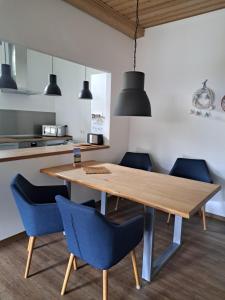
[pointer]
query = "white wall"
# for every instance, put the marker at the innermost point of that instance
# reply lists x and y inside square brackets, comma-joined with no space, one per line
[69,109]
[100,105]
[176,58]
[56,28]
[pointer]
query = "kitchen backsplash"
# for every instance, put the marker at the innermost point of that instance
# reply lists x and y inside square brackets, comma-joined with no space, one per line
[13,122]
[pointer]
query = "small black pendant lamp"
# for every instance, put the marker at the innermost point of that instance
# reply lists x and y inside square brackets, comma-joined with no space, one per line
[52,89]
[6,80]
[133,100]
[85,92]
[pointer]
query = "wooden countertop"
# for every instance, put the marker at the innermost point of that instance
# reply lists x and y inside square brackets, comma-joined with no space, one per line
[26,153]
[170,194]
[8,139]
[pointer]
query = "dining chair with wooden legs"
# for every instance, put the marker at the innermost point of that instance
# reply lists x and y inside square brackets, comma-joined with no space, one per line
[38,210]
[195,169]
[97,241]
[135,160]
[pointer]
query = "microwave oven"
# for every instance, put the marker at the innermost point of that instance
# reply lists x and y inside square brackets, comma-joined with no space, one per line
[54,130]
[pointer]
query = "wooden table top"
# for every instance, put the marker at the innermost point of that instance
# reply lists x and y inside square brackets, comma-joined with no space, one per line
[167,193]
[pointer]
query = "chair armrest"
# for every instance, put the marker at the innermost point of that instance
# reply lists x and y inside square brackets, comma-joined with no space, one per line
[44,218]
[129,234]
[132,227]
[46,194]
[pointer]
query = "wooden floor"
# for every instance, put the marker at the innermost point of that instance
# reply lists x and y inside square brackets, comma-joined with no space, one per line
[197,271]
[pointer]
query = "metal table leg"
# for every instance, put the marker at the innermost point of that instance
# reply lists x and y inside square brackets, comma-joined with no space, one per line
[150,266]
[103,203]
[68,185]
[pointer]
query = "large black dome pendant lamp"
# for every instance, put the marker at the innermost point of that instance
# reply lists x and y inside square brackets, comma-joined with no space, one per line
[52,89]
[6,80]
[133,100]
[85,92]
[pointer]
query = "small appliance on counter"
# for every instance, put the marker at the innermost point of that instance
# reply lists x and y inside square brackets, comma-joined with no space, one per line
[94,138]
[54,130]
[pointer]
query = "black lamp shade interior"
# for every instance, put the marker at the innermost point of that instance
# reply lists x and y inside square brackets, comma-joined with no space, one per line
[85,93]
[133,100]
[52,88]
[6,80]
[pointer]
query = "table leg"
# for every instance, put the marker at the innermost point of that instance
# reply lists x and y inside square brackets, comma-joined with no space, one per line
[148,243]
[151,267]
[103,203]
[68,185]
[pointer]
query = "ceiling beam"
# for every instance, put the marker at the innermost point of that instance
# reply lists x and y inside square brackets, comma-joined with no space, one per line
[197,9]
[107,15]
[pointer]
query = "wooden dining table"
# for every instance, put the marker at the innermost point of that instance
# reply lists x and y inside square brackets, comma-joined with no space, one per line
[174,195]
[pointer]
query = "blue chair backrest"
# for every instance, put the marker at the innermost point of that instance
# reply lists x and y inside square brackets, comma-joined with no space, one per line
[89,235]
[24,187]
[195,169]
[135,160]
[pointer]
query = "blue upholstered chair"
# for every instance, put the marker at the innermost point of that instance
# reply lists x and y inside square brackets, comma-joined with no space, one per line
[195,169]
[38,210]
[95,240]
[135,160]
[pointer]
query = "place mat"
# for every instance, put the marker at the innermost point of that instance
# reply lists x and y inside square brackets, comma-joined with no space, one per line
[96,170]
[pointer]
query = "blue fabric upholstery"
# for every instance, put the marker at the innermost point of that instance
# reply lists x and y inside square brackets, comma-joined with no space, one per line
[135,160]
[37,206]
[195,169]
[92,238]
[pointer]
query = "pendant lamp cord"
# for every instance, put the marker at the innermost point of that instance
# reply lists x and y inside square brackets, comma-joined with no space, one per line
[85,73]
[52,64]
[135,34]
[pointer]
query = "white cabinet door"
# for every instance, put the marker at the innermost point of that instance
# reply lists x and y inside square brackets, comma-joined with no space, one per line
[38,69]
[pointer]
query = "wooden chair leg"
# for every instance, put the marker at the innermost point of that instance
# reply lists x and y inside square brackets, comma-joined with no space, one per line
[117,203]
[204,218]
[30,248]
[28,245]
[67,275]
[105,285]
[75,263]
[168,219]
[136,275]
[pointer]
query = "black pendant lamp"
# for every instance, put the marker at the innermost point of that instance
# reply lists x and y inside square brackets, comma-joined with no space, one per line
[6,80]
[133,100]
[52,89]
[85,92]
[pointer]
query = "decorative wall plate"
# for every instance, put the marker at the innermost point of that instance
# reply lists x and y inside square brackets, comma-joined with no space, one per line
[204,98]
[223,103]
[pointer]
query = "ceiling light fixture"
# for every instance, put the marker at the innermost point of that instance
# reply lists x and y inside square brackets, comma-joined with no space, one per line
[133,100]
[52,89]
[85,92]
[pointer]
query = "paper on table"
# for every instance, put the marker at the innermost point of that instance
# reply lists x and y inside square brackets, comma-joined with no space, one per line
[96,170]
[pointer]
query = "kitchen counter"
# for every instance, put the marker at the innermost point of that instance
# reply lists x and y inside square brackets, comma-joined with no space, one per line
[17,139]
[26,153]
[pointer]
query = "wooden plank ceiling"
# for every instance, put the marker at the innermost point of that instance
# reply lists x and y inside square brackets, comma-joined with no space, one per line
[120,14]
